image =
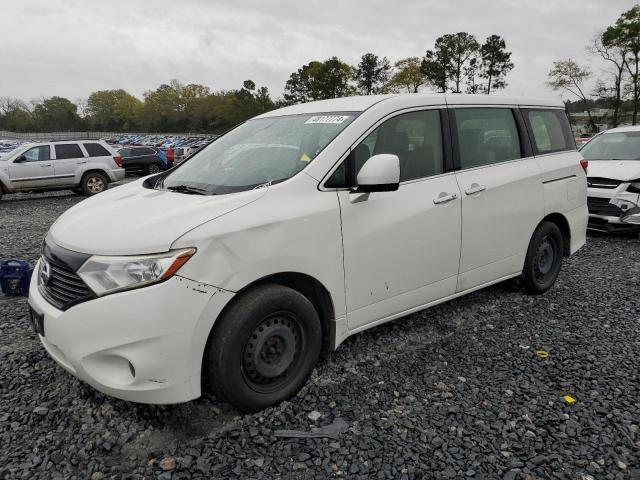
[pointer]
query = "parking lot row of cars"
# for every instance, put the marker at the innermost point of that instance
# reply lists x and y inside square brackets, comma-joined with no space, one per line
[161,141]
[89,166]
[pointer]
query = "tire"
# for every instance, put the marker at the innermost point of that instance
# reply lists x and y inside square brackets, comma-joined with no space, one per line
[263,348]
[93,183]
[154,168]
[544,258]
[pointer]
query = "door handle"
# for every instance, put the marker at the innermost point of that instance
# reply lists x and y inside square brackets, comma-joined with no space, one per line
[45,165]
[445,198]
[475,188]
[80,163]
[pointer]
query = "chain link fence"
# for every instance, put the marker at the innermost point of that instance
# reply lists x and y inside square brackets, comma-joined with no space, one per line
[53,136]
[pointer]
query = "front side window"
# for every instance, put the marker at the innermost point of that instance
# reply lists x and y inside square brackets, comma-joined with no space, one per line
[415,137]
[68,150]
[486,136]
[260,151]
[38,154]
[613,146]
[551,131]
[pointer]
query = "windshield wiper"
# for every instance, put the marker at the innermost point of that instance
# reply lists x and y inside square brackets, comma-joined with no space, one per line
[263,185]
[187,189]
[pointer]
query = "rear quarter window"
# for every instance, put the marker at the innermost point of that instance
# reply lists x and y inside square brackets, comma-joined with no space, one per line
[549,131]
[96,150]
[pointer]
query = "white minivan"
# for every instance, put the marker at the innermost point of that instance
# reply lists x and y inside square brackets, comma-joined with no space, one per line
[299,228]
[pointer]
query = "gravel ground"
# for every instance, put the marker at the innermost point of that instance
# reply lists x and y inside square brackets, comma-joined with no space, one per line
[455,391]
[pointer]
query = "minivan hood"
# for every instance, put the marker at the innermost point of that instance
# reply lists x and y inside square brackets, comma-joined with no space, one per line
[132,219]
[623,170]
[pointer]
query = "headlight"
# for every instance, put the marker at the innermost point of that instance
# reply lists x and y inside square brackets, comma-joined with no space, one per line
[104,274]
[634,187]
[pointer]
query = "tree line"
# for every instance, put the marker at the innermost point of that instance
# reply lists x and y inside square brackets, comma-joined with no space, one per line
[171,107]
[618,86]
[456,63]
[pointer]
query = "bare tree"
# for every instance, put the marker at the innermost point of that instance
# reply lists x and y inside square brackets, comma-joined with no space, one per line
[608,46]
[567,75]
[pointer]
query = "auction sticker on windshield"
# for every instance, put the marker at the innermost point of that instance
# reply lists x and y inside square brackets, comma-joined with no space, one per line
[328,119]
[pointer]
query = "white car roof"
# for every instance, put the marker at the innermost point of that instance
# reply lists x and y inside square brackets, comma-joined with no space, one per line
[628,128]
[361,103]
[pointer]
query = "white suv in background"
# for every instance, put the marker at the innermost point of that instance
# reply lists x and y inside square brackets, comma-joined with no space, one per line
[299,228]
[86,166]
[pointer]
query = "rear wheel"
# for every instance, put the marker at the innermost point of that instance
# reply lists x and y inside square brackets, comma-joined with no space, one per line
[93,183]
[263,349]
[153,168]
[544,258]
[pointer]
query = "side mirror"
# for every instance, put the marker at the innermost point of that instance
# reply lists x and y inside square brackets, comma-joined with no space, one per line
[381,173]
[20,159]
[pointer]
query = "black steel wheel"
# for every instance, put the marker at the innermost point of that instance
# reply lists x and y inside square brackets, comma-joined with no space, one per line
[544,258]
[271,352]
[263,348]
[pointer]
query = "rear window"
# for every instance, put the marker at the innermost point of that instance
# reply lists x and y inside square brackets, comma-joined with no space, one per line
[550,131]
[96,150]
[486,136]
[68,150]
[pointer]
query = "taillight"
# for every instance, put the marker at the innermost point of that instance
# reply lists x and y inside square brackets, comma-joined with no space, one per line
[584,164]
[118,160]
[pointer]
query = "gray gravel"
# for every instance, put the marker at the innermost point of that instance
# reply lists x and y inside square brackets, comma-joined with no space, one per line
[456,391]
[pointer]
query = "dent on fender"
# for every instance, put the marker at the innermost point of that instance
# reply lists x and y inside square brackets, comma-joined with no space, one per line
[198,287]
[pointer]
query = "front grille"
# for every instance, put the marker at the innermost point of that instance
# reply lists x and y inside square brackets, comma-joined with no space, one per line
[64,288]
[601,206]
[607,183]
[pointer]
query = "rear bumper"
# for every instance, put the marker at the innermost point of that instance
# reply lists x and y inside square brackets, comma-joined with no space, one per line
[116,176]
[577,219]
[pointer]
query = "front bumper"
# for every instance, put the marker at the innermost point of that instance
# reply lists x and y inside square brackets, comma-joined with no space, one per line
[144,345]
[613,211]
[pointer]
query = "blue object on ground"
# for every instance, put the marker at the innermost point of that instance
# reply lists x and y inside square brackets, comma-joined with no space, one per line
[15,276]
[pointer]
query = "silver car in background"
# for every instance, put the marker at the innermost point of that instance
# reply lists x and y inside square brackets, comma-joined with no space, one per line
[85,166]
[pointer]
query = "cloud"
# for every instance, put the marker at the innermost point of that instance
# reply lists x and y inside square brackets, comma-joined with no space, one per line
[73,47]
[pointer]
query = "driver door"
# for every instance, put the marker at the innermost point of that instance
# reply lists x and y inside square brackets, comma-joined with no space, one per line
[402,248]
[35,171]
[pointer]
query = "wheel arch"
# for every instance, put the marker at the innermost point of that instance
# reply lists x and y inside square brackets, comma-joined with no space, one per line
[308,286]
[563,224]
[93,170]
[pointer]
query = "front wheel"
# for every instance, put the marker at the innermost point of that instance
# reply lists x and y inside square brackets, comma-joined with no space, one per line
[264,347]
[544,258]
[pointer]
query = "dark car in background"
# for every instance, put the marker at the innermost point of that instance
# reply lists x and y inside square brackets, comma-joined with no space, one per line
[143,160]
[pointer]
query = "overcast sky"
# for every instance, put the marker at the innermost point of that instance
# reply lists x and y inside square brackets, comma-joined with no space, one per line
[71,48]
